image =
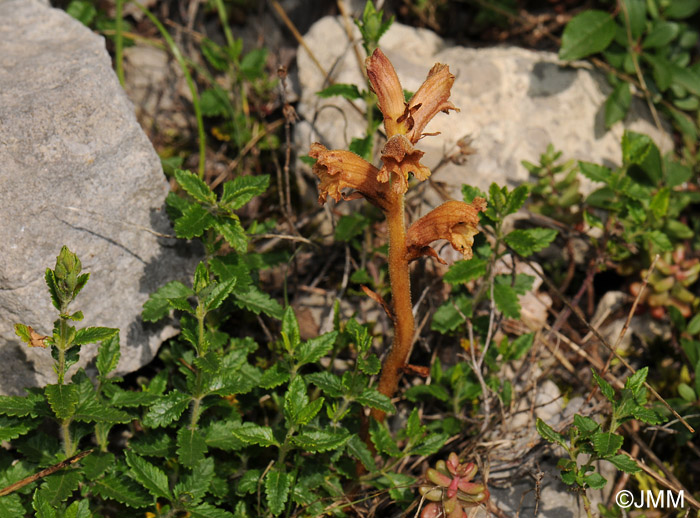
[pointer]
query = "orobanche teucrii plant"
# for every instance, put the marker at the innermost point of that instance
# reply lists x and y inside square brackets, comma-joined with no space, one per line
[345,175]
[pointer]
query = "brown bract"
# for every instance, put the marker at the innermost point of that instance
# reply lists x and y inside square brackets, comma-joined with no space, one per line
[430,99]
[454,221]
[339,169]
[401,158]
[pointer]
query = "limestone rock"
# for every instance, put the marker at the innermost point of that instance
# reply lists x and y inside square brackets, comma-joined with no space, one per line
[513,103]
[75,170]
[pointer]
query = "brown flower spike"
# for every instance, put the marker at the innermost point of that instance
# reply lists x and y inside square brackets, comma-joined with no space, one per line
[454,221]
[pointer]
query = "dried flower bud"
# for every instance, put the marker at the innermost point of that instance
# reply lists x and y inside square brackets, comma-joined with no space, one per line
[338,170]
[430,99]
[400,159]
[454,221]
[385,83]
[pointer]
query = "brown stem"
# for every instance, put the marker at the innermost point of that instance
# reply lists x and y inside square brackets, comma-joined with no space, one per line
[399,278]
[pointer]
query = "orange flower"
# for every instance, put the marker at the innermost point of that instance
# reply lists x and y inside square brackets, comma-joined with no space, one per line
[455,221]
[401,158]
[339,169]
[401,118]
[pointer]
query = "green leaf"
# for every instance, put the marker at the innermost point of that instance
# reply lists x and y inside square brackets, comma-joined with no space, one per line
[194,221]
[277,484]
[433,443]
[381,438]
[636,380]
[242,189]
[529,241]
[357,448]
[329,383]
[686,77]
[108,355]
[587,33]
[11,428]
[253,64]
[91,410]
[624,463]
[42,506]
[347,91]
[362,146]
[295,399]
[605,387]
[122,490]
[78,509]
[218,294]
[148,475]
[11,506]
[60,486]
[350,225]
[506,300]
[595,481]
[208,511]
[548,433]
[231,230]
[618,103]
[321,440]
[158,304]
[316,348]
[62,398]
[464,271]
[82,10]
[167,409]
[191,446]
[194,186]
[686,392]
[307,413]
[250,433]
[636,13]
[661,34]
[658,240]
[607,443]
[258,301]
[373,399]
[290,329]
[681,9]
[635,147]
[450,315]
[219,434]
[416,392]
[659,203]
[369,365]
[586,425]
[647,415]
[20,406]
[274,376]
[91,335]
[248,483]
[521,345]
[516,198]
[692,329]
[469,193]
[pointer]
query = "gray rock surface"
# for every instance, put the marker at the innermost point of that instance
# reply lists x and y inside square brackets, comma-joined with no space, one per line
[513,103]
[75,170]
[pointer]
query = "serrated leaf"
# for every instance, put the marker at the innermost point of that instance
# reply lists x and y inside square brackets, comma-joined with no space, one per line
[595,481]
[586,425]
[78,509]
[62,398]
[129,398]
[151,445]
[274,376]
[516,198]
[149,476]
[232,231]
[91,335]
[91,410]
[618,103]
[218,294]
[250,433]
[191,446]
[450,315]
[647,415]
[167,409]
[316,348]
[605,387]
[122,490]
[11,428]
[329,383]
[636,380]
[465,271]
[20,406]
[42,506]
[595,172]
[529,241]
[309,411]
[195,484]
[108,355]
[157,306]
[295,399]
[290,329]
[607,443]
[248,483]
[242,189]
[358,449]
[194,186]
[521,345]
[624,463]
[548,433]
[321,440]
[277,484]
[370,365]
[347,91]
[382,440]
[11,506]
[208,511]
[506,300]
[430,444]
[587,33]
[373,399]
[658,240]
[60,486]
[434,391]
[194,221]
[258,301]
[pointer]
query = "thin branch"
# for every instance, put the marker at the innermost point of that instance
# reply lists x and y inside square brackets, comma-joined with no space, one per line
[45,472]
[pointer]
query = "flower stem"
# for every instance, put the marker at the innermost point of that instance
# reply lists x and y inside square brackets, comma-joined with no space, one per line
[401,295]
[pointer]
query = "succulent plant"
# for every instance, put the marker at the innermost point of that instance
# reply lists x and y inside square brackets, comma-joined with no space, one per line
[450,489]
[669,283]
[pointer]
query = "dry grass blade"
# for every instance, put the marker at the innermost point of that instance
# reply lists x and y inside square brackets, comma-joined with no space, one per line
[44,473]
